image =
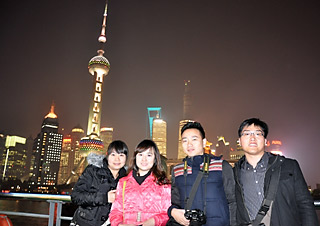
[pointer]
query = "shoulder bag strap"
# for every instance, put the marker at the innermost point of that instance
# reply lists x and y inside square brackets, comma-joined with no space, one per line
[123,189]
[267,201]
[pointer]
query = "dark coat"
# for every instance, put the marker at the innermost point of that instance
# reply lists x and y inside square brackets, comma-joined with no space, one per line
[293,204]
[220,190]
[90,192]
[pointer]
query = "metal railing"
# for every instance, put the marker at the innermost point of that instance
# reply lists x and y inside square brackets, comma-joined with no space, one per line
[55,206]
[55,203]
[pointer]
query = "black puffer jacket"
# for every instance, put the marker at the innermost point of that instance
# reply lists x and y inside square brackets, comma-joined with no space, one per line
[90,191]
[293,204]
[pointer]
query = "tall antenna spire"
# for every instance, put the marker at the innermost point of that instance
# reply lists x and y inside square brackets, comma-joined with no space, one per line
[102,38]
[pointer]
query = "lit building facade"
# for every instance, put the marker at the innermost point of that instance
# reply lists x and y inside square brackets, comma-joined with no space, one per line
[47,151]
[106,135]
[153,112]
[65,168]
[70,156]
[76,134]
[235,155]
[14,158]
[157,129]
[159,135]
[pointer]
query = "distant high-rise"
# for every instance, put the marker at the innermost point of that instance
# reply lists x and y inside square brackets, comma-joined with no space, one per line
[29,145]
[223,148]
[159,135]
[153,112]
[64,169]
[98,67]
[106,135]
[235,155]
[187,102]
[47,151]
[157,129]
[76,134]
[14,158]
[70,157]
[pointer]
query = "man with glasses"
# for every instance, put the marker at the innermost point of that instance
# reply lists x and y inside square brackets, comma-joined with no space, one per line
[270,189]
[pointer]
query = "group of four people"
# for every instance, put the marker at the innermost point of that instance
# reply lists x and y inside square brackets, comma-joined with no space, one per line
[262,188]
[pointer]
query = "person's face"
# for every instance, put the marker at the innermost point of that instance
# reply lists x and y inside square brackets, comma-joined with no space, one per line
[252,140]
[145,161]
[116,161]
[192,142]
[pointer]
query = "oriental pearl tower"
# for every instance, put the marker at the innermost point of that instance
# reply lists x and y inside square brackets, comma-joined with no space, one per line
[98,67]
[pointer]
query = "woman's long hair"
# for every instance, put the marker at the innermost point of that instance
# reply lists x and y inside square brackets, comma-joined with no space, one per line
[157,168]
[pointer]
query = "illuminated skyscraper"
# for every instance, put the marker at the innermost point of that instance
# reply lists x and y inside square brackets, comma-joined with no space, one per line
[153,112]
[186,115]
[14,158]
[106,135]
[157,129]
[47,151]
[187,101]
[98,67]
[70,157]
[64,171]
[159,135]
[76,134]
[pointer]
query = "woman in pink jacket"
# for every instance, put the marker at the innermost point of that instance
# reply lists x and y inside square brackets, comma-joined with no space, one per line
[144,195]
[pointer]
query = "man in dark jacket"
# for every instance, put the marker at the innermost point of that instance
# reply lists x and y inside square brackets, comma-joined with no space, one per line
[291,204]
[215,194]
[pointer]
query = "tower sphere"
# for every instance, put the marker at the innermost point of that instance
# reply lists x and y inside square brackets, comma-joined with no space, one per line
[99,63]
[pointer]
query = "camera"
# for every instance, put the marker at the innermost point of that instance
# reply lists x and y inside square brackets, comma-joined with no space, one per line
[196,217]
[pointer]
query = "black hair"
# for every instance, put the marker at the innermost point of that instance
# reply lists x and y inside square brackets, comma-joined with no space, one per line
[194,125]
[256,122]
[157,168]
[118,146]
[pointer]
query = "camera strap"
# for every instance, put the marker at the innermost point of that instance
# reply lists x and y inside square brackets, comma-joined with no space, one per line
[205,172]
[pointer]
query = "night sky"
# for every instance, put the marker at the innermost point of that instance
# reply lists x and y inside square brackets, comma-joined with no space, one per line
[244,59]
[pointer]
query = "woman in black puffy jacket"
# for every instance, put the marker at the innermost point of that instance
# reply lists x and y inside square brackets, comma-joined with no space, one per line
[94,192]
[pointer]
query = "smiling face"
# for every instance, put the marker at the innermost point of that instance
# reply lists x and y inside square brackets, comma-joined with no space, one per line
[192,142]
[116,161]
[252,140]
[145,161]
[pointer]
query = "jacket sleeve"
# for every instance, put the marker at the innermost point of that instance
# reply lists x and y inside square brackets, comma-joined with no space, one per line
[116,213]
[304,200]
[175,195]
[86,192]
[229,189]
[162,218]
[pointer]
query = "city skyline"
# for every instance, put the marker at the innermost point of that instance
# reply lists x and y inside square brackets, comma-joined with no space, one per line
[244,59]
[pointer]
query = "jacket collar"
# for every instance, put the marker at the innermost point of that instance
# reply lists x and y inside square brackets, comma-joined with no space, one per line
[272,159]
[197,160]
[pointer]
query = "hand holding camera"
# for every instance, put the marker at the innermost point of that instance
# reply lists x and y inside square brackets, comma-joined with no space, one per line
[196,217]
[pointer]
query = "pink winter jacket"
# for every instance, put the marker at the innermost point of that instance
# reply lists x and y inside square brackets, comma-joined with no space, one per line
[141,202]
